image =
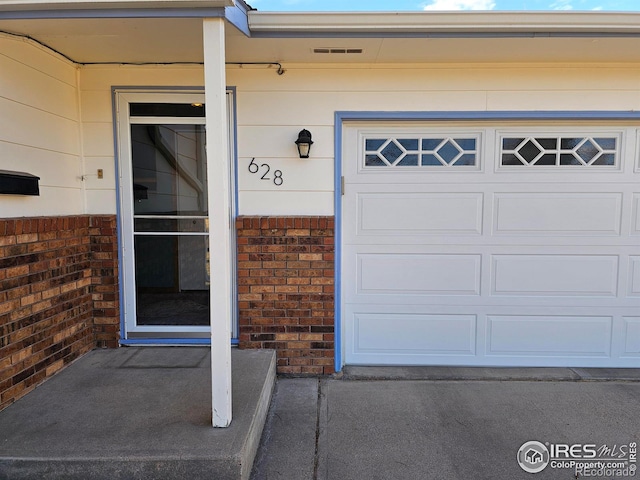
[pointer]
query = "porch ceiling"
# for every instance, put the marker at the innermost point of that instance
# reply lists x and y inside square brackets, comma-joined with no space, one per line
[117,40]
[169,40]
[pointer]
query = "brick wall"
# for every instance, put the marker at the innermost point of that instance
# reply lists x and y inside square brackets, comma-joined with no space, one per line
[286,290]
[104,281]
[56,275]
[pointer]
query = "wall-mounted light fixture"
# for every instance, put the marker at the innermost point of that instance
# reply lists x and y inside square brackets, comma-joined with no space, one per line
[304,143]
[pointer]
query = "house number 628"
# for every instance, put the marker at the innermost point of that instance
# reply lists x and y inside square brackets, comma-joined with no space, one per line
[265,169]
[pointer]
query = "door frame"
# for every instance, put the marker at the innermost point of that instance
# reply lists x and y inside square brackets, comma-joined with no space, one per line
[122,97]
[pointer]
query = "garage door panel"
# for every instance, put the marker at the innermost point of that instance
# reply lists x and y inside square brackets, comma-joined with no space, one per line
[587,334]
[555,275]
[419,274]
[556,336]
[397,274]
[519,243]
[557,213]
[632,337]
[389,334]
[635,227]
[634,281]
[419,213]
[476,303]
[494,218]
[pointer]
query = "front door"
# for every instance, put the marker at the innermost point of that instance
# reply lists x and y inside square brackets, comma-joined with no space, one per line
[165,220]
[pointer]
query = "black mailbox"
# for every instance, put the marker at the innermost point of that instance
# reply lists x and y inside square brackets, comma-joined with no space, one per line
[18,183]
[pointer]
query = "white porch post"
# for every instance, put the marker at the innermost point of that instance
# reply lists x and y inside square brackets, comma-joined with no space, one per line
[219,217]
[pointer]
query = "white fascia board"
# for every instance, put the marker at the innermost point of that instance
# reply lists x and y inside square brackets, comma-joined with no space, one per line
[445,22]
[28,5]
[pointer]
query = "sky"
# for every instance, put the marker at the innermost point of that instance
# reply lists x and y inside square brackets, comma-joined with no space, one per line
[434,5]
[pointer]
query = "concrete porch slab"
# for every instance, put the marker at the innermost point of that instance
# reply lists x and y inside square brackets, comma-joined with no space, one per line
[137,413]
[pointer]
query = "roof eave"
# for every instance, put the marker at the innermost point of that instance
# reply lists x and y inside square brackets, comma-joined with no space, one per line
[57,5]
[374,23]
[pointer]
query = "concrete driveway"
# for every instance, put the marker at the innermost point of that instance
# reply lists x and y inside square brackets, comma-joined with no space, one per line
[450,424]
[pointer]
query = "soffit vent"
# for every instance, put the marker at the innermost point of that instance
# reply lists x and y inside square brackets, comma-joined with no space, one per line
[334,50]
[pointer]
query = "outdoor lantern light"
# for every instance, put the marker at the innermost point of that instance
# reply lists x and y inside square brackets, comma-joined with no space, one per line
[304,143]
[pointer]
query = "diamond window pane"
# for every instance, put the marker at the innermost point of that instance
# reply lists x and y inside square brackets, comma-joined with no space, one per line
[430,160]
[392,152]
[373,161]
[409,143]
[449,151]
[410,160]
[373,144]
[431,143]
[529,151]
[511,143]
[587,151]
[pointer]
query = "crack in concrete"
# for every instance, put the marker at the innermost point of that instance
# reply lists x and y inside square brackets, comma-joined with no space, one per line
[316,456]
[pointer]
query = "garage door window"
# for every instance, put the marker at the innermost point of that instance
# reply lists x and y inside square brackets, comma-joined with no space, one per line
[440,151]
[559,151]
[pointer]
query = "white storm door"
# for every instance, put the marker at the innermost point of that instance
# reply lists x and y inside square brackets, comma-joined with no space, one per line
[165,219]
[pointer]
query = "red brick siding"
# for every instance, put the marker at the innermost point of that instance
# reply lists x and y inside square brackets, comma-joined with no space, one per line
[286,290]
[55,275]
[104,281]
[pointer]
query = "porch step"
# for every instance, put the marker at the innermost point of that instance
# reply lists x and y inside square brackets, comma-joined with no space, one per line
[138,413]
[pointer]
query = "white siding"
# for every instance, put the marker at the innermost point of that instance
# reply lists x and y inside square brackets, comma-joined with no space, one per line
[272,109]
[39,128]
[97,119]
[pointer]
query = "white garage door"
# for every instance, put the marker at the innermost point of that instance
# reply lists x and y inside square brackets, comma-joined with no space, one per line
[487,245]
